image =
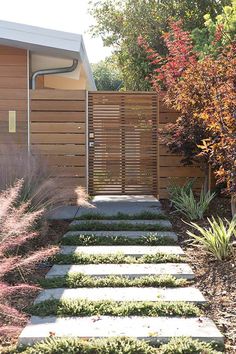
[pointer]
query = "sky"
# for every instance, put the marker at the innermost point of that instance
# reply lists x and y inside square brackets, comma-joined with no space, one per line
[63,15]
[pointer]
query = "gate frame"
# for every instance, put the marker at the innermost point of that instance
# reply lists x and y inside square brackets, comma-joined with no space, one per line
[157,118]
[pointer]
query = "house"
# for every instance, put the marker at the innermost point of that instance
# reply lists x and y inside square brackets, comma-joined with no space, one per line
[104,141]
[37,49]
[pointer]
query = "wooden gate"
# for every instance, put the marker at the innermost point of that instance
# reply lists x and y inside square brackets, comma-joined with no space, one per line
[123,144]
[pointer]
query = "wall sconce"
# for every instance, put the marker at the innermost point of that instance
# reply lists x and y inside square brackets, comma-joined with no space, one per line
[12,121]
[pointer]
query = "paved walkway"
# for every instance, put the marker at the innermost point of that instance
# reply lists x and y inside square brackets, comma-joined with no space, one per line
[142,327]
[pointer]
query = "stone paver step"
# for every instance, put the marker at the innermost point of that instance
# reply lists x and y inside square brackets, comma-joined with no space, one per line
[164,223]
[129,234]
[135,251]
[157,328]
[189,294]
[179,270]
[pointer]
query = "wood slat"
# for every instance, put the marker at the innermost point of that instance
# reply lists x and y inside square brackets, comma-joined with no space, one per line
[10,94]
[6,50]
[166,182]
[57,138]
[9,105]
[49,94]
[58,105]
[9,59]
[70,149]
[13,71]
[13,82]
[65,171]
[58,127]
[180,172]
[71,161]
[58,117]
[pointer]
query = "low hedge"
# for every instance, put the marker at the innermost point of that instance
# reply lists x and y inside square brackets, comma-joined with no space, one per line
[90,240]
[121,345]
[81,258]
[119,226]
[84,307]
[145,215]
[79,280]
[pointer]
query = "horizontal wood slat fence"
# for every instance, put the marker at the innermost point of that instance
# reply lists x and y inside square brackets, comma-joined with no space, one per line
[58,134]
[124,154]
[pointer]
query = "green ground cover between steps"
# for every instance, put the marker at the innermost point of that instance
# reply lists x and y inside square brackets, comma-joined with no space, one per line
[84,307]
[79,280]
[116,345]
[90,240]
[145,215]
[119,226]
[81,258]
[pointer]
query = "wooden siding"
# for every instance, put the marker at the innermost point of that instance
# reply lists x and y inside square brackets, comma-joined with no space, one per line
[13,94]
[58,124]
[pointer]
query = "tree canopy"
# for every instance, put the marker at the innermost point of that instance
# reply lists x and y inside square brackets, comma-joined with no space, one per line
[120,22]
[222,28]
[107,76]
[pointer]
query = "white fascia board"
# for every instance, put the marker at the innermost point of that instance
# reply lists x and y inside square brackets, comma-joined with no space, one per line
[40,40]
[87,67]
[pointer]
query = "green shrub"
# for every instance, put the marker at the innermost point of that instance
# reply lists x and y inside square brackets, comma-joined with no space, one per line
[187,346]
[119,226]
[192,208]
[116,345]
[175,190]
[118,258]
[78,280]
[84,307]
[145,215]
[216,239]
[90,240]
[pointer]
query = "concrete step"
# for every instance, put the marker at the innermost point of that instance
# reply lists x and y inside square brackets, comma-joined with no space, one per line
[154,328]
[129,234]
[111,205]
[189,294]
[135,251]
[179,270]
[163,223]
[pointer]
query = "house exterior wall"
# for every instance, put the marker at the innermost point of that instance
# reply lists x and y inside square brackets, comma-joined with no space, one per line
[65,83]
[13,94]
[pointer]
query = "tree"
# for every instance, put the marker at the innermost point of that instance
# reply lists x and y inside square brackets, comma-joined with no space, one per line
[107,76]
[217,32]
[204,92]
[120,22]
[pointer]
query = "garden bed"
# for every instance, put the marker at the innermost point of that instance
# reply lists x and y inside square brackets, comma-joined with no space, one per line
[215,279]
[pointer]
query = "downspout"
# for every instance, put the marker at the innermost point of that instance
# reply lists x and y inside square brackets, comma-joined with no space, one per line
[67,69]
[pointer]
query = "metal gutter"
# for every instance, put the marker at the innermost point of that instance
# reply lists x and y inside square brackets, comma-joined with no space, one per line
[52,71]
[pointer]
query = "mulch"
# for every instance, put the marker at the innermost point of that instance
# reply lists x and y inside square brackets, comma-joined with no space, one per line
[216,279]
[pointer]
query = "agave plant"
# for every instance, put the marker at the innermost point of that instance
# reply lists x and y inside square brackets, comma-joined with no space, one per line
[175,189]
[216,239]
[192,208]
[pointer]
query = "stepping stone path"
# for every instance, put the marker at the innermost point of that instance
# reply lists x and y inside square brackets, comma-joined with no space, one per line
[147,328]
[129,234]
[134,251]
